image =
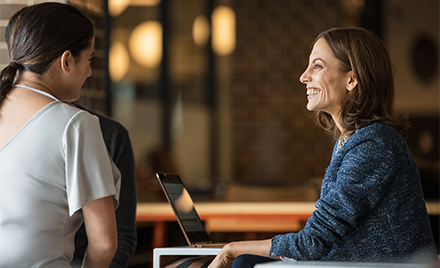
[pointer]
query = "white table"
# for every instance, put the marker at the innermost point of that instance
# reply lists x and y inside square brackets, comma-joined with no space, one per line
[182,251]
[282,217]
[324,264]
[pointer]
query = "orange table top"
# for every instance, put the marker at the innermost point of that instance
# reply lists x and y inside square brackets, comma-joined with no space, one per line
[299,210]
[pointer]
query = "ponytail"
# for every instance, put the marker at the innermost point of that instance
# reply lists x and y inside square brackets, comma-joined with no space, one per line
[61,27]
[7,77]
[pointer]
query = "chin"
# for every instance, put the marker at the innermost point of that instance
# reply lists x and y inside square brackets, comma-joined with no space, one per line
[74,98]
[310,107]
[77,96]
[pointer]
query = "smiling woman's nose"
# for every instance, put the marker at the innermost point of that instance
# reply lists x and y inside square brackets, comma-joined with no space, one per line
[304,77]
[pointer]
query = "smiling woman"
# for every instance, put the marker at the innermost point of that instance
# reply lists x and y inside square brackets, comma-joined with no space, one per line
[371,194]
[372,75]
[327,85]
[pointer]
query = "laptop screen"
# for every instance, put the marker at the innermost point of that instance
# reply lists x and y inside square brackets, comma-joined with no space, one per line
[183,207]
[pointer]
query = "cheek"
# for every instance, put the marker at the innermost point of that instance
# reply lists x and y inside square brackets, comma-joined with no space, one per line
[86,72]
[336,87]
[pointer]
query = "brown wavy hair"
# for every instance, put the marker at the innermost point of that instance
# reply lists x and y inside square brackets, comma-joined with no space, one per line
[372,100]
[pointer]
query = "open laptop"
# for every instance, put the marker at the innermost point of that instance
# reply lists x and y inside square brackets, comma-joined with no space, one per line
[183,207]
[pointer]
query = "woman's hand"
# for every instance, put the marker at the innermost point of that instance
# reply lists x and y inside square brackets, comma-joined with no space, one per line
[232,250]
[223,259]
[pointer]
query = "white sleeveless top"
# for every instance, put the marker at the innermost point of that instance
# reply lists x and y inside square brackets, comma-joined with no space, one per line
[48,170]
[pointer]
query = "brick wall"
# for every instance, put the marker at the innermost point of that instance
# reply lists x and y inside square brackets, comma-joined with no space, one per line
[274,138]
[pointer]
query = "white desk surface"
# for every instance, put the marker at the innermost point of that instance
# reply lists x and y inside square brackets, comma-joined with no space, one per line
[327,264]
[184,251]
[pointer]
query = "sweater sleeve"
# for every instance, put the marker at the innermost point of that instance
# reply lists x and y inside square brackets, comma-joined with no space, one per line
[118,142]
[357,178]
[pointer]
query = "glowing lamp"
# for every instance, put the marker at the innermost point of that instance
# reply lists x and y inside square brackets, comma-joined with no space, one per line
[200,30]
[116,7]
[223,30]
[145,44]
[119,61]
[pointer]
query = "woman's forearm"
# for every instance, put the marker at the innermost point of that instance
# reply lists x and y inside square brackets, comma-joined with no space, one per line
[258,247]
[102,235]
[234,249]
[99,256]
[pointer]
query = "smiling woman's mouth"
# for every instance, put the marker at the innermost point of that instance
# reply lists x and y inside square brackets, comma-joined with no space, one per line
[312,92]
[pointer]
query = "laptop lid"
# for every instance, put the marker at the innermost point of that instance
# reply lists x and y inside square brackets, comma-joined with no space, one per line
[183,207]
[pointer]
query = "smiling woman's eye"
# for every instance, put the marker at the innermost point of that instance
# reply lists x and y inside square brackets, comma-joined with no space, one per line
[317,67]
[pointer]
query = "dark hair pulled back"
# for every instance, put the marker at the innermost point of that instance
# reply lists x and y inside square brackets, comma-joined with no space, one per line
[37,35]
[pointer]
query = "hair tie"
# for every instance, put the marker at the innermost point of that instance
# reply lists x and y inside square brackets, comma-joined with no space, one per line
[15,65]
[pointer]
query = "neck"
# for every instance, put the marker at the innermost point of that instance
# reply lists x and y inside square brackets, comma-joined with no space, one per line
[337,121]
[36,81]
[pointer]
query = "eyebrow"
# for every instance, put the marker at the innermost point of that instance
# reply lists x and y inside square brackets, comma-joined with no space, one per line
[317,60]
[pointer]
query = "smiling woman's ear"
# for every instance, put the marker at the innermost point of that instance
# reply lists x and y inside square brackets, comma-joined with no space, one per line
[66,61]
[352,81]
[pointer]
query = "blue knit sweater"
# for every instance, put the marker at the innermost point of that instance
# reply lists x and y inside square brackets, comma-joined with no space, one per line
[371,206]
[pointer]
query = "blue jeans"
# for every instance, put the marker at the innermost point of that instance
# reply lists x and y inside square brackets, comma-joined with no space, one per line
[248,261]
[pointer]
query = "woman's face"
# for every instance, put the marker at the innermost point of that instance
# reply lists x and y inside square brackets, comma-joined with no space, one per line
[327,86]
[82,70]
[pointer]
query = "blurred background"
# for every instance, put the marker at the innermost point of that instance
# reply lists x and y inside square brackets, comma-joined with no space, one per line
[210,88]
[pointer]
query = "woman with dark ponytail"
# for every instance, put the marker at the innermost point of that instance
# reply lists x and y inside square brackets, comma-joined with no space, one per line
[55,170]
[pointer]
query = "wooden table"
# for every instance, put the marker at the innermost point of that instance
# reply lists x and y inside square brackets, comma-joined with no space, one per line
[239,216]
[163,211]
[231,216]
